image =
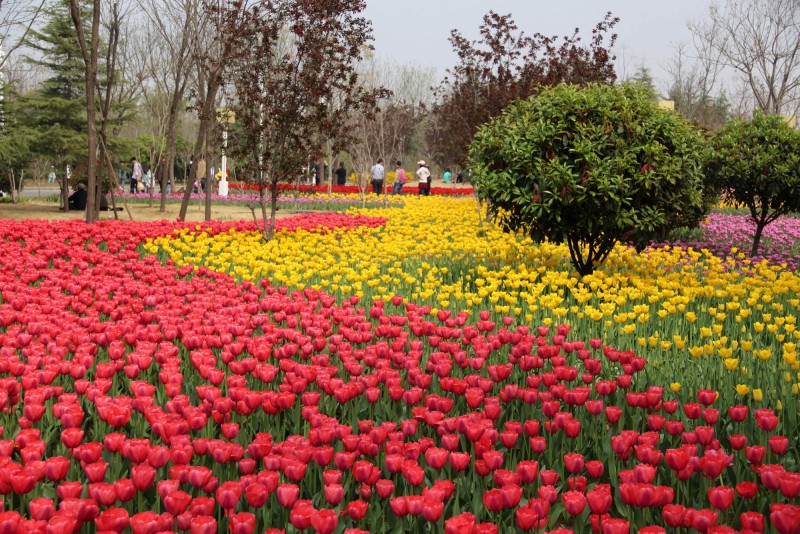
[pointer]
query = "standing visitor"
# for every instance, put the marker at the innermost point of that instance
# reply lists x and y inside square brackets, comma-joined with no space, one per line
[341,174]
[424,177]
[200,175]
[446,176]
[148,179]
[377,173]
[400,180]
[161,175]
[136,175]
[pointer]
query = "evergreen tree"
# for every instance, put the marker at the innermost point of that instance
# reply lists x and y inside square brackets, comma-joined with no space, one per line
[56,111]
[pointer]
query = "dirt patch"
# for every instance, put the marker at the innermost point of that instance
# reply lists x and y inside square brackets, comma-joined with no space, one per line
[40,209]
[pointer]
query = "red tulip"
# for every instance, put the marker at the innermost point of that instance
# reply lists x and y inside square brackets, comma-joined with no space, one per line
[41,509]
[125,489]
[574,502]
[548,476]
[738,441]
[145,523]
[112,519]
[143,476]
[771,476]
[721,497]
[767,420]
[288,494]
[325,521]
[706,396]
[203,524]
[242,523]
[702,520]
[779,444]
[673,515]
[460,524]
[615,526]
[177,502]
[72,437]
[747,490]
[574,462]
[599,501]
[790,485]
[9,522]
[55,468]
[65,523]
[301,514]
[785,518]
[738,413]
[493,500]
[228,494]
[752,521]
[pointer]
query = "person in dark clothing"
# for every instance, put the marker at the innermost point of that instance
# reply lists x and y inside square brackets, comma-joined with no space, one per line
[341,175]
[77,200]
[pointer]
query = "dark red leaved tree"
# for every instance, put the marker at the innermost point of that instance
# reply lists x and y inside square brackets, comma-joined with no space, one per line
[293,69]
[504,65]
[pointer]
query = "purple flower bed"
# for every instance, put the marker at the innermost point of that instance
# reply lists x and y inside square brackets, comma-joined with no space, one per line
[721,233]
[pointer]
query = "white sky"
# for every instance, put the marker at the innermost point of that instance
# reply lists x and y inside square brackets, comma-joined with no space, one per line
[416,31]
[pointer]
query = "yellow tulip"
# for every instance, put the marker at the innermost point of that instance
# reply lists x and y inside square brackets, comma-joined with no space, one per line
[731,363]
[742,390]
[758,395]
[675,387]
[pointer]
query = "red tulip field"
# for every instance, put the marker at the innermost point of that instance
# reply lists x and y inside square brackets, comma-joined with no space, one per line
[140,395]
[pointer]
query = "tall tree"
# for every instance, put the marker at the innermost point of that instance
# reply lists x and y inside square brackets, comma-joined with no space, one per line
[504,65]
[89,53]
[176,26]
[760,41]
[291,58]
[211,55]
[57,110]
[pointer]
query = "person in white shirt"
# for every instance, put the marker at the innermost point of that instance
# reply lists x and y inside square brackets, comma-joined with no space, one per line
[424,177]
[136,174]
[377,173]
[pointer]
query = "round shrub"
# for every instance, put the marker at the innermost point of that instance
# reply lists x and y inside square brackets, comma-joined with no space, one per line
[590,166]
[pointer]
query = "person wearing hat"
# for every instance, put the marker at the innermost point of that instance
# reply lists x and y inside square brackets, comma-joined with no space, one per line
[424,177]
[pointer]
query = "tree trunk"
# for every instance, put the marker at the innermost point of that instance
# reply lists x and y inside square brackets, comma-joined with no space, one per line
[760,225]
[90,55]
[209,189]
[205,125]
[168,174]
[273,205]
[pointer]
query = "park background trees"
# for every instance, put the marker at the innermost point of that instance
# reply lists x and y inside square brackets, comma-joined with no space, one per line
[163,70]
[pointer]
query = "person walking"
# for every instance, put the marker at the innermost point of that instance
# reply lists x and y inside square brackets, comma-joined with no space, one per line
[400,179]
[136,175]
[341,174]
[377,173]
[424,177]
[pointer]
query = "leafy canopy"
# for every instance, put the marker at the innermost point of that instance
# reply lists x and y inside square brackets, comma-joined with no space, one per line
[590,166]
[757,164]
[505,65]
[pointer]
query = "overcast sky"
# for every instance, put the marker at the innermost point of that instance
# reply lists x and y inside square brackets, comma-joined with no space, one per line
[416,31]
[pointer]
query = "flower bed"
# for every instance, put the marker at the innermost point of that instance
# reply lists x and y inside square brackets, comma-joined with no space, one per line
[732,235]
[408,189]
[163,397]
